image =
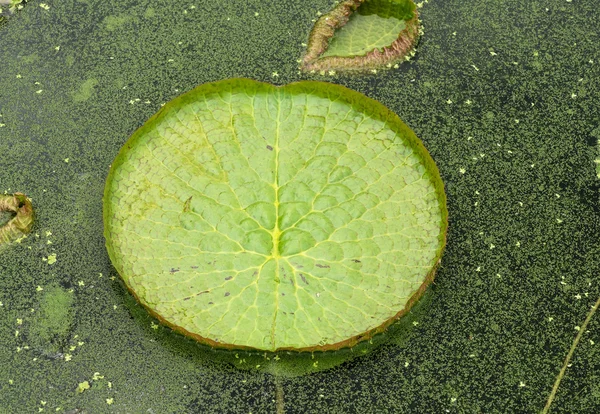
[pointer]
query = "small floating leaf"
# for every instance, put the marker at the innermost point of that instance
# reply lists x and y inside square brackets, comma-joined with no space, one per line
[20,209]
[51,258]
[362,34]
[82,386]
[304,217]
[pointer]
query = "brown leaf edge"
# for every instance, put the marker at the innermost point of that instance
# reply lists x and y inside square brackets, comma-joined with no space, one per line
[325,27]
[19,225]
[359,102]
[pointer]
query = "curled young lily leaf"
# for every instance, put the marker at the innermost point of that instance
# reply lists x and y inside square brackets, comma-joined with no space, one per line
[19,206]
[360,35]
[301,217]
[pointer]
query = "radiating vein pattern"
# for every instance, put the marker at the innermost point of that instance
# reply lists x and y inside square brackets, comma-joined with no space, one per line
[269,218]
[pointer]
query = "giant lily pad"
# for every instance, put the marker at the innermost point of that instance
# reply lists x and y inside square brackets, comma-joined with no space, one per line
[362,34]
[302,217]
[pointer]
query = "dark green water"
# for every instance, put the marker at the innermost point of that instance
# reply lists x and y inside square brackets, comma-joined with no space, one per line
[505,96]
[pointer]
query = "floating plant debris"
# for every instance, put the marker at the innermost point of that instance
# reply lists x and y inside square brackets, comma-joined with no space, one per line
[20,217]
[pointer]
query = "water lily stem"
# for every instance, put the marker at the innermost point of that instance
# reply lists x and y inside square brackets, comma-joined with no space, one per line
[279,395]
[561,374]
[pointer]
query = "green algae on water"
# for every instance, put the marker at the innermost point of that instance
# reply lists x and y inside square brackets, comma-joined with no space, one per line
[502,311]
[8,8]
[51,326]
[85,91]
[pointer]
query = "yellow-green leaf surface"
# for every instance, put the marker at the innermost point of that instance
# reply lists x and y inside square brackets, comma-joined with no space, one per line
[367,29]
[299,217]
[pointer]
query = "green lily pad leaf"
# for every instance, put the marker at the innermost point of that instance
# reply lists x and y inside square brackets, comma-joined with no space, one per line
[16,217]
[302,217]
[363,34]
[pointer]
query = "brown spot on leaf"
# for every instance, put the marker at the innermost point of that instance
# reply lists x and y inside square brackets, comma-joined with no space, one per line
[229,278]
[303,278]
[356,261]
[270,148]
[227,293]
[186,205]
[322,266]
